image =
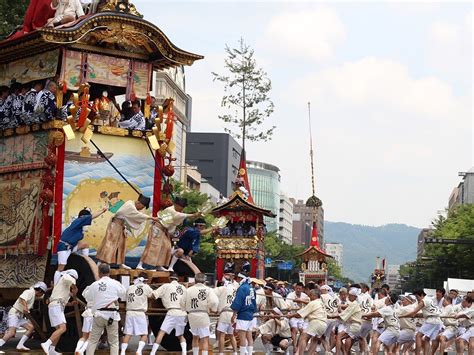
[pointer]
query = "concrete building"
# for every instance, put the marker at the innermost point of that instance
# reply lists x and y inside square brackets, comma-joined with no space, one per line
[424,233]
[393,276]
[286,219]
[217,157]
[171,83]
[464,193]
[264,182]
[301,231]
[336,250]
[306,215]
[210,191]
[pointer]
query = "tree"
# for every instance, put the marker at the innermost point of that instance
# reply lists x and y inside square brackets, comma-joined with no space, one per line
[11,15]
[246,90]
[441,261]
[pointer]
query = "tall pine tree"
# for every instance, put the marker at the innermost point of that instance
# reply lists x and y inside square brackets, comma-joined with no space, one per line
[247,89]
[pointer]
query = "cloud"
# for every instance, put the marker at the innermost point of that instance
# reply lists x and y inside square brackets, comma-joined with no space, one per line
[312,34]
[384,85]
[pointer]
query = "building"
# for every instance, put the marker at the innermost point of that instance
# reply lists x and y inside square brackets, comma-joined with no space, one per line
[301,231]
[336,251]
[393,276]
[217,157]
[464,193]
[264,182]
[210,191]
[170,83]
[424,233]
[307,214]
[285,225]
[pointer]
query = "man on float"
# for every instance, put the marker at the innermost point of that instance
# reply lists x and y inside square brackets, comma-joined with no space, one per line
[104,295]
[16,315]
[136,322]
[62,292]
[225,294]
[157,251]
[171,295]
[71,237]
[244,307]
[199,301]
[128,220]
[189,243]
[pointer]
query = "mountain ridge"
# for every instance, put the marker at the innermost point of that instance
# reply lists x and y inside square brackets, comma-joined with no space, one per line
[396,242]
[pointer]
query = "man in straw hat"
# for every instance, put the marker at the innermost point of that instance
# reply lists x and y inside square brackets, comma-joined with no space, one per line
[157,251]
[16,319]
[136,322]
[171,295]
[127,221]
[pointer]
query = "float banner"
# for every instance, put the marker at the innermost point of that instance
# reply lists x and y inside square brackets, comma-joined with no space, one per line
[107,70]
[141,79]
[71,69]
[37,67]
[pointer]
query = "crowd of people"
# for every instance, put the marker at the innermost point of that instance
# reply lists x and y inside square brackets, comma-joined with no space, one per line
[307,318]
[36,102]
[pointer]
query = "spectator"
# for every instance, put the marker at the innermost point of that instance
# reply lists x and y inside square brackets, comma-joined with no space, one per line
[5,106]
[16,99]
[45,106]
[136,121]
[30,102]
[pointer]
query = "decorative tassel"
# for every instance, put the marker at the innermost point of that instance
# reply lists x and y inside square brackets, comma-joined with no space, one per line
[147,110]
[85,110]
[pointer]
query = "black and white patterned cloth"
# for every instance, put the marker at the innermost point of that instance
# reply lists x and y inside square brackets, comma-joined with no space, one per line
[45,107]
[29,104]
[137,121]
[5,112]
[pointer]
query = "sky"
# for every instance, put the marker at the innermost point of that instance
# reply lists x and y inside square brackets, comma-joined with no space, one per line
[390,86]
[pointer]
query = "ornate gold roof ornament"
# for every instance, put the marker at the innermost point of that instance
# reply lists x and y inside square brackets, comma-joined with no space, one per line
[123,6]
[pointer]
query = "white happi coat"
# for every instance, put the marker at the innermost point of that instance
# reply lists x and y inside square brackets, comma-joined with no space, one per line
[171,295]
[199,300]
[226,295]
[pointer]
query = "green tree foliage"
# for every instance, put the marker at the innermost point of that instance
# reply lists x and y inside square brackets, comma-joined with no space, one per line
[195,198]
[11,15]
[246,89]
[277,250]
[441,261]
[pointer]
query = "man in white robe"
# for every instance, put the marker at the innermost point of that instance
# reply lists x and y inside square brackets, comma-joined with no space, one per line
[127,221]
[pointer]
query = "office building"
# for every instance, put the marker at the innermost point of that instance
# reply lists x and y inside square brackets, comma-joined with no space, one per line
[285,225]
[264,182]
[307,215]
[393,276]
[336,251]
[217,157]
[464,193]
[301,231]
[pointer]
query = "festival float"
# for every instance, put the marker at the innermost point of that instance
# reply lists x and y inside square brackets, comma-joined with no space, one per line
[50,171]
[378,275]
[314,266]
[240,242]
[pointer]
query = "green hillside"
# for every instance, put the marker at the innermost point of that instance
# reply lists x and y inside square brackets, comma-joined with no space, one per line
[362,244]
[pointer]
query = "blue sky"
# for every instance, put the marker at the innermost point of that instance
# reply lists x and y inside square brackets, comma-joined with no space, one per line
[390,86]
